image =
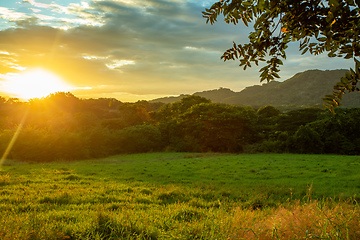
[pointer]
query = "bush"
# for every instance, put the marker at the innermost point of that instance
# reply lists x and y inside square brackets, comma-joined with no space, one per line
[217,127]
[269,111]
[42,145]
[269,146]
[306,140]
[138,139]
[98,142]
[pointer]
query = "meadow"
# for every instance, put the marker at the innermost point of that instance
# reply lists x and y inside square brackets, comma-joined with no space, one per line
[183,196]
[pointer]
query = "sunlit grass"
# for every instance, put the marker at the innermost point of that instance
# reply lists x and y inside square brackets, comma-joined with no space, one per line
[313,220]
[182,196]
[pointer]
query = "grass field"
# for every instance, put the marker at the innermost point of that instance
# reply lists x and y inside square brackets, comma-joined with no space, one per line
[183,196]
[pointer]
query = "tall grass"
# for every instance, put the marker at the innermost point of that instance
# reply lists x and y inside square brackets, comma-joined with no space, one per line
[313,220]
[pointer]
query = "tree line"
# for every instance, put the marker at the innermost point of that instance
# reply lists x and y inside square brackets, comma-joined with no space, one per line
[64,127]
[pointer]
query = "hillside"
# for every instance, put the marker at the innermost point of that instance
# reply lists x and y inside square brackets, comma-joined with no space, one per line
[303,89]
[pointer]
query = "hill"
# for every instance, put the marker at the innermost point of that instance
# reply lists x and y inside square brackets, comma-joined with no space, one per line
[303,89]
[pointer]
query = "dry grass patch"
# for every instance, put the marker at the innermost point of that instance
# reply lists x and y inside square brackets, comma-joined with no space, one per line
[314,220]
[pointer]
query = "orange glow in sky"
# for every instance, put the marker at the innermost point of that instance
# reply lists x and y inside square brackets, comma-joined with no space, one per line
[35,83]
[130,50]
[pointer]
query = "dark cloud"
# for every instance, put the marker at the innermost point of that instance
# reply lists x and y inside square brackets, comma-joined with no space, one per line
[25,23]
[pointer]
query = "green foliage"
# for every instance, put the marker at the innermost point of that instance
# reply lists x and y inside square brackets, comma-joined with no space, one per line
[43,145]
[37,132]
[339,131]
[137,139]
[330,26]
[134,113]
[63,127]
[171,111]
[293,119]
[268,111]
[346,84]
[267,121]
[217,127]
[196,125]
[97,141]
[306,140]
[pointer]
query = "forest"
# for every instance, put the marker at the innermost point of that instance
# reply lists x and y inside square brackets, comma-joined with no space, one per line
[64,127]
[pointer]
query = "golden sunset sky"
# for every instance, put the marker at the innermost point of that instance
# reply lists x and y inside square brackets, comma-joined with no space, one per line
[126,49]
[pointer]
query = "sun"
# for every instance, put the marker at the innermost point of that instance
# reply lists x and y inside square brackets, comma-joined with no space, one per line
[35,83]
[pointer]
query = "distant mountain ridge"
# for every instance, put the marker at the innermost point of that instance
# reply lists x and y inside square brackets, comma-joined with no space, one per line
[303,89]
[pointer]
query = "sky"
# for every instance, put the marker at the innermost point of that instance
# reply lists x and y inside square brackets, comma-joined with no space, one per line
[130,49]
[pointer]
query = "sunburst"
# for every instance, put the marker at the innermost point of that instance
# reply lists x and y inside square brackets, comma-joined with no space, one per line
[35,83]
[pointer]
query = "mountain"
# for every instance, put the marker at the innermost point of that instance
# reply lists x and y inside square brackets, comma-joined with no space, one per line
[171,99]
[303,89]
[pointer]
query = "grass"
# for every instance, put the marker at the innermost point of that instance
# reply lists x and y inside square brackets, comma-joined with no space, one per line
[183,196]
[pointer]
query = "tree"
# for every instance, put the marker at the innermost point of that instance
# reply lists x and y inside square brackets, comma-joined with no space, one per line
[267,120]
[268,111]
[307,141]
[331,26]
[218,127]
[292,120]
[137,139]
[173,110]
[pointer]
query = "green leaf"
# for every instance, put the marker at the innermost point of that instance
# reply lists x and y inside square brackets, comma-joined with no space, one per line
[334,3]
[357,64]
[275,75]
[304,51]
[261,5]
[348,56]
[350,2]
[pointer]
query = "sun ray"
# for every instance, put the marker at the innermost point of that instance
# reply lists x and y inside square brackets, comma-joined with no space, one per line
[14,138]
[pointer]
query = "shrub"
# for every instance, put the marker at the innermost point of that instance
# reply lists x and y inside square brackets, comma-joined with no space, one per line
[42,145]
[98,142]
[269,146]
[306,140]
[138,139]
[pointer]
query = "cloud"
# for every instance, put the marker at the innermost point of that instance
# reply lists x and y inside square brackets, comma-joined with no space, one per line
[127,48]
[117,64]
[140,47]
[11,15]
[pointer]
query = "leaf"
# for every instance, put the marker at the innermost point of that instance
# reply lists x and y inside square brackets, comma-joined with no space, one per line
[278,61]
[357,64]
[261,5]
[304,51]
[275,75]
[350,2]
[349,55]
[352,72]
[334,3]
[331,54]
[284,30]
[264,68]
